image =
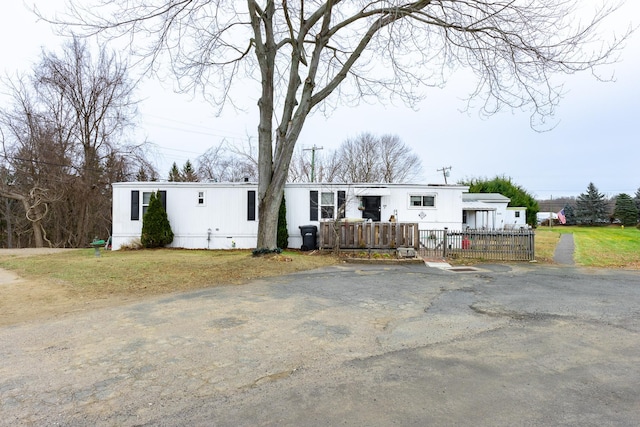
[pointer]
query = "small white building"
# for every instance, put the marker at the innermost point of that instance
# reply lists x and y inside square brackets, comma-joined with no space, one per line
[224,215]
[515,218]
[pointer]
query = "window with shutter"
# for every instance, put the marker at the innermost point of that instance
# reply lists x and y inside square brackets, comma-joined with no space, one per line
[251,205]
[313,206]
[135,205]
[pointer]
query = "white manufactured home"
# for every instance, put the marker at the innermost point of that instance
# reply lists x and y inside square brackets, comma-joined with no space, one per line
[224,215]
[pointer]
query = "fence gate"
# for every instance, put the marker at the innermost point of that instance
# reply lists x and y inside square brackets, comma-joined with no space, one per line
[499,245]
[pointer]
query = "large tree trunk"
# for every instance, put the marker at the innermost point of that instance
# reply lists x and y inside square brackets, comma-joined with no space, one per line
[36,225]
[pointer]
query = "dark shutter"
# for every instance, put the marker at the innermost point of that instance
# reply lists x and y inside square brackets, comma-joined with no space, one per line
[342,205]
[313,206]
[251,205]
[135,205]
[163,199]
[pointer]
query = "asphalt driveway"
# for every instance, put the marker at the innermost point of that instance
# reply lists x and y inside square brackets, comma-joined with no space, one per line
[349,345]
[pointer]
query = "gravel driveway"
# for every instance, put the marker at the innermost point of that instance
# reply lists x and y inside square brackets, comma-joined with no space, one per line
[351,345]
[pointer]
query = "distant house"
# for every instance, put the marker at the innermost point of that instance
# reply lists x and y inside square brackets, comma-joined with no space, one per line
[544,216]
[225,215]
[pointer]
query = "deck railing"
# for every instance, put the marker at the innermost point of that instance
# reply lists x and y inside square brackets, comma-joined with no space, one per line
[368,235]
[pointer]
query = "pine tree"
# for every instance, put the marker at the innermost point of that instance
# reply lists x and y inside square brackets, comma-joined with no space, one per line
[188,173]
[569,214]
[636,199]
[142,175]
[626,210]
[591,207]
[156,229]
[174,174]
[283,234]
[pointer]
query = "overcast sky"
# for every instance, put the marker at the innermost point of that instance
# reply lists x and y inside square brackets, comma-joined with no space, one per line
[595,139]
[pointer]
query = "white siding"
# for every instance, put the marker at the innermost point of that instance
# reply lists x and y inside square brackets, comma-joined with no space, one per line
[515,217]
[224,210]
[224,213]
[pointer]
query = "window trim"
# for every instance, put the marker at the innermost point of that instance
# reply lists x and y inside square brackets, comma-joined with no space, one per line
[324,207]
[143,205]
[422,196]
[201,201]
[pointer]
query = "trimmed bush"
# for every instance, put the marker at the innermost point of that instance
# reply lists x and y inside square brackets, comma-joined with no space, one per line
[283,234]
[156,229]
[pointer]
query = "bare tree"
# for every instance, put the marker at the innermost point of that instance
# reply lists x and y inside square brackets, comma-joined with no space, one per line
[228,163]
[359,159]
[62,141]
[97,96]
[365,158]
[397,162]
[30,174]
[300,167]
[307,55]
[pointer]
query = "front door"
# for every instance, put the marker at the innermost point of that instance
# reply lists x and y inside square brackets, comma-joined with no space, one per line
[371,207]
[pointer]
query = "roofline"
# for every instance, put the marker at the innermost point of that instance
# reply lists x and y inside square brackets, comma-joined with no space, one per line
[291,184]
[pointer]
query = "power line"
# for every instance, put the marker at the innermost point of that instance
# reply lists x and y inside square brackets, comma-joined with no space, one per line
[445,172]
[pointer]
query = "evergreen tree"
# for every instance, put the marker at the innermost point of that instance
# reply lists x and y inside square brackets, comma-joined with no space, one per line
[142,175]
[156,229]
[283,234]
[636,199]
[503,185]
[626,210]
[570,215]
[174,174]
[188,173]
[591,207]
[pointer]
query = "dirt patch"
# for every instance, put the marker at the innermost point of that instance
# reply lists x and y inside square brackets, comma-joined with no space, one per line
[22,300]
[32,251]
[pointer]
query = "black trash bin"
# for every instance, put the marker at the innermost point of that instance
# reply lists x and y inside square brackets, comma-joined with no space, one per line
[309,233]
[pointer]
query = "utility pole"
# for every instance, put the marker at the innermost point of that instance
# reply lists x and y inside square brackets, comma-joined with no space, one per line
[313,160]
[445,172]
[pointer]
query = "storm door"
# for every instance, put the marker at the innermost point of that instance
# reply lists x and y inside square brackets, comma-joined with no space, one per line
[371,206]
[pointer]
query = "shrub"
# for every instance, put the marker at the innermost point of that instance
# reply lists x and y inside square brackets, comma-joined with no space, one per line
[283,234]
[156,229]
[266,251]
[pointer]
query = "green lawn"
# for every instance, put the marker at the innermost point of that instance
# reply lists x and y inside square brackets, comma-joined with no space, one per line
[597,246]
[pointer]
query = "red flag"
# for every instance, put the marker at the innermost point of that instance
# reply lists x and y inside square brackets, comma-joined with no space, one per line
[561,217]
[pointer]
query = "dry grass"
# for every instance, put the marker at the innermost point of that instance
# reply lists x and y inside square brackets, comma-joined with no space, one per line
[147,272]
[49,285]
[546,242]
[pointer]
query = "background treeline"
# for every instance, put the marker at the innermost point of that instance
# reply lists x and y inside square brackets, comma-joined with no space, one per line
[594,208]
[63,130]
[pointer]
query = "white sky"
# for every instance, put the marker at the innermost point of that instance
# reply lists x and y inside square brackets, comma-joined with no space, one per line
[596,138]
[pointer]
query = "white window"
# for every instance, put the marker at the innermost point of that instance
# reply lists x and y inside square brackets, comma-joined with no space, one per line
[146,196]
[201,198]
[327,205]
[422,201]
